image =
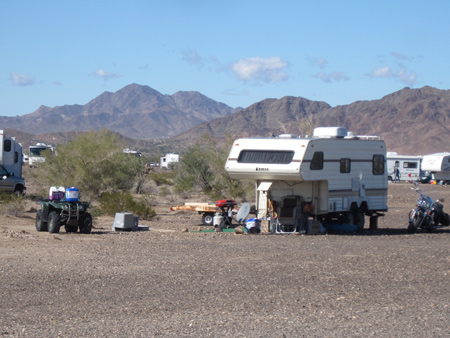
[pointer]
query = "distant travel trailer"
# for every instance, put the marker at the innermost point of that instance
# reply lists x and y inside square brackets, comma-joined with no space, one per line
[438,165]
[408,166]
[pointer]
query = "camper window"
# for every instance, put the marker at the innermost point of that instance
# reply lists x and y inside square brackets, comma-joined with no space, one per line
[317,161]
[345,166]
[412,165]
[378,165]
[266,156]
[7,145]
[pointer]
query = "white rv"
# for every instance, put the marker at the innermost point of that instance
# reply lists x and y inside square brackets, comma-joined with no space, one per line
[438,165]
[11,179]
[408,165]
[35,153]
[333,177]
[169,159]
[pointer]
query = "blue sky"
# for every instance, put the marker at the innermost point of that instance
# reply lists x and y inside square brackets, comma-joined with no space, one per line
[237,52]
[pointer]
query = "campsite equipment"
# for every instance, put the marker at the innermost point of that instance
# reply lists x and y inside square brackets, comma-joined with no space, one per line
[72,194]
[427,214]
[224,219]
[63,210]
[253,225]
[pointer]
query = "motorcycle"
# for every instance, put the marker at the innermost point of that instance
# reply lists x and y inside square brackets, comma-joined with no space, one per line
[427,214]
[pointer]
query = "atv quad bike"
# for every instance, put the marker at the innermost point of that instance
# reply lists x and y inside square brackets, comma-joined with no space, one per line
[57,213]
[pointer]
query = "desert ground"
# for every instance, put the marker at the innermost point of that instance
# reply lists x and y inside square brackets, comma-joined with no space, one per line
[173,281]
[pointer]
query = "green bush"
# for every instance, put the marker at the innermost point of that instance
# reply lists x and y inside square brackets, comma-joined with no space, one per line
[94,162]
[112,203]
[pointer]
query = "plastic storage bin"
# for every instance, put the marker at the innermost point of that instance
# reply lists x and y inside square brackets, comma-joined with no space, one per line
[72,194]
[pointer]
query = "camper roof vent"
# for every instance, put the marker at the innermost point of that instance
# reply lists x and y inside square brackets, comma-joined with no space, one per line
[287,136]
[330,132]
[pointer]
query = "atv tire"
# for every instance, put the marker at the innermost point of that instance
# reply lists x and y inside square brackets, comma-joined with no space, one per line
[40,224]
[86,224]
[54,222]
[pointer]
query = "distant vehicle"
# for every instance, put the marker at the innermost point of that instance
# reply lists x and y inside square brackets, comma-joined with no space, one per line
[438,165]
[35,154]
[169,159]
[132,152]
[408,165]
[11,179]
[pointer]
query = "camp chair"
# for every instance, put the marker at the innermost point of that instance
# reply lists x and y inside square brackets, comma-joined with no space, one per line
[289,215]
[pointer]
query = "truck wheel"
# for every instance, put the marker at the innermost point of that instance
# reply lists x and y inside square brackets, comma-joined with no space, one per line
[86,224]
[359,219]
[40,224]
[207,219]
[53,222]
[18,191]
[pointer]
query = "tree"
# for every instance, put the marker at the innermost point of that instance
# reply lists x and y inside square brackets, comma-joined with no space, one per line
[94,162]
[202,168]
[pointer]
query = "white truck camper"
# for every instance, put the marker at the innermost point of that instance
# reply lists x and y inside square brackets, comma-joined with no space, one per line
[11,179]
[438,165]
[408,165]
[35,154]
[167,160]
[333,177]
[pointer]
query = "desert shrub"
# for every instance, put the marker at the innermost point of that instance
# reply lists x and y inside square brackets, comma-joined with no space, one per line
[111,203]
[202,168]
[11,205]
[94,162]
[162,177]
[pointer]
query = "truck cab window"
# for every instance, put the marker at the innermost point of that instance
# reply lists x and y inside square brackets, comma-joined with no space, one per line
[7,145]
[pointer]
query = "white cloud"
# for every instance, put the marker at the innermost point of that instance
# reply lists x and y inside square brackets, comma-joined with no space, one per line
[321,62]
[105,75]
[21,80]
[267,70]
[384,72]
[332,77]
[402,75]
[192,57]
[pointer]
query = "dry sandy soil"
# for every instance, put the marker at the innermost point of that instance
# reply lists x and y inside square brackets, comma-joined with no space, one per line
[169,283]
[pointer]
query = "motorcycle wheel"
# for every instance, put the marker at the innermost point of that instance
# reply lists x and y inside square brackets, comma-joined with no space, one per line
[414,221]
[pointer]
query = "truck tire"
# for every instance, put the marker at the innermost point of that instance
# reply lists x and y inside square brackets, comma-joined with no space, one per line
[356,217]
[86,224]
[359,219]
[18,191]
[40,224]
[54,224]
[207,219]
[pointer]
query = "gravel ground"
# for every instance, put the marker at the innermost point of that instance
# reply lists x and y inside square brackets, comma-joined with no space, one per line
[171,283]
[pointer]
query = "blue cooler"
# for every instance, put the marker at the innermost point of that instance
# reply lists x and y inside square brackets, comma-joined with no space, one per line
[72,194]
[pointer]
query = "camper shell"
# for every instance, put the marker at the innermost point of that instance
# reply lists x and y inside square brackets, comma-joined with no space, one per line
[333,177]
[408,165]
[438,165]
[167,160]
[35,155]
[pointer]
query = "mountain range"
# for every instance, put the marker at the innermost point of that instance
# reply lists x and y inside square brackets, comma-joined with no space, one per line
[411,121]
